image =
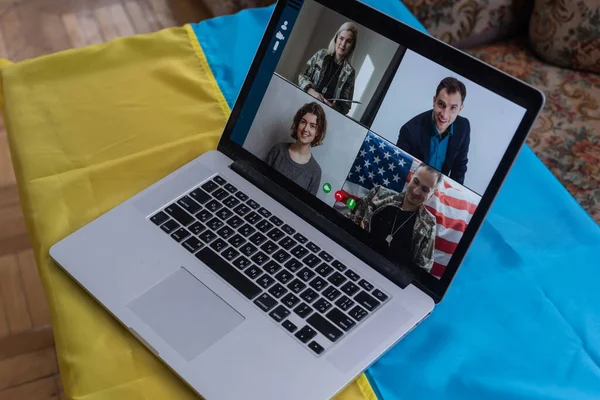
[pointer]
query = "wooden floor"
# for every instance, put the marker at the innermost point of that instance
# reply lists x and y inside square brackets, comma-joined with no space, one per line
[30,28]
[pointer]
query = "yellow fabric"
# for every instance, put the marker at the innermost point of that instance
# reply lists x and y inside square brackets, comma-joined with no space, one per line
[87,129]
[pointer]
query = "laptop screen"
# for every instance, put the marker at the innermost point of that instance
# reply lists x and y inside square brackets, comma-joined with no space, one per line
[396,143]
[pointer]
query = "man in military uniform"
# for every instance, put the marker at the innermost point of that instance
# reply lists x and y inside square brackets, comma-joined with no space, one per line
[400,220]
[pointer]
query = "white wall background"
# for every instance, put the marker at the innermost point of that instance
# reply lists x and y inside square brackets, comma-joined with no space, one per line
[313,30]
[272,125]
[494,120]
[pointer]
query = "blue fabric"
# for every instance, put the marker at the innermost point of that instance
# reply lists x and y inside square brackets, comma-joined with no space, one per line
[521,319]
[438,147]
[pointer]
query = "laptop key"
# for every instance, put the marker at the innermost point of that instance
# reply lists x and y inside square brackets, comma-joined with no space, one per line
[218,245]
[224,213]
[290,300]
[169,226]
[231,202]
[237,240]
[299,251]
[288,229]
[296,286]
[253,218]
[189,205]
[365,285]
[242,210]
[196,228]
[215,223]
[276,221]
[235,222]
[325,256]
[318,284]
[303,310]
[337,279]
[222,268]
[350,288]
[324,270]
[281,256]
[260,258]
[339,266]
[265,302]
[311,260]
[322,305]
[242,196]
[352,275]
[204,215]
[344,303]
[230,253]
[226,232]
[275,234]
[209,186]
[264,212]
[207,236]
[264,226]
[272,267]
[358,313]
[242,262]
[331,293]
[265,281]
[279,313]
[293,265]
[179,215]
[246,230]
[220,194]
[258,239]
[313,247]
[253,204]
[309,295]
[305,334]
[159,218]
[324,327]
[284,277]
[277,290]
[180,234]
[200,196]
[219,180]
[289,326]
[316,347]
[341,319]
[192,244]
[248,249]
[367,301]
[213,206]
[305,274]
[230,188]
[269,247]
[253,272]
[299,237]
[287,243]
[379,295]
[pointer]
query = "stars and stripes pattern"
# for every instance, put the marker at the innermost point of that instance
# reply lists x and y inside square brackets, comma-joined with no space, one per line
[381,163]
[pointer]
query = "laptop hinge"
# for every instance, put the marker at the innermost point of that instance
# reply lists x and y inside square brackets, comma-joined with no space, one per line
[318,221]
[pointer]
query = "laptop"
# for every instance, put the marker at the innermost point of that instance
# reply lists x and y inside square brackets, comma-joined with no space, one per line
[358,163]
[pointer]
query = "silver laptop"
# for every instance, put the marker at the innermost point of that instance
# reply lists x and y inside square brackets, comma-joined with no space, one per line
[360,159]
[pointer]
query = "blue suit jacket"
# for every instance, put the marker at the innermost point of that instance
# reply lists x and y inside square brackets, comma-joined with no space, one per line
[415,138]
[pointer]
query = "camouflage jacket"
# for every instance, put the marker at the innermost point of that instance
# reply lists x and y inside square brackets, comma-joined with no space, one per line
[314,71]
[423,231]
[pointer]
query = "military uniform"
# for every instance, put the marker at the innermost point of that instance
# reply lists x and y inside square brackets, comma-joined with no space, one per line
[314,72]
[423,231]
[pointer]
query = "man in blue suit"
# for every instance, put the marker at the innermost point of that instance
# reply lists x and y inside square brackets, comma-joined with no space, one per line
[440,137]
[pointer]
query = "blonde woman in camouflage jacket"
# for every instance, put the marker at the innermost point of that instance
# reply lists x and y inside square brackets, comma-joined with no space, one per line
[400,219]
[328,74]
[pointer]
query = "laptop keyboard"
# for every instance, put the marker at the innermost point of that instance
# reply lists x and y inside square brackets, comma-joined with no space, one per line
[302,288]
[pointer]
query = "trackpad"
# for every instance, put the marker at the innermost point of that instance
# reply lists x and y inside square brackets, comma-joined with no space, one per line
[185,313]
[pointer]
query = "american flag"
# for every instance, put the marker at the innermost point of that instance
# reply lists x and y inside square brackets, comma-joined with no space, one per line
[381,163]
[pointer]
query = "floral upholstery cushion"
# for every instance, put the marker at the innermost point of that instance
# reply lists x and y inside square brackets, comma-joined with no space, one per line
[566,136]
[467,23]
[567,33]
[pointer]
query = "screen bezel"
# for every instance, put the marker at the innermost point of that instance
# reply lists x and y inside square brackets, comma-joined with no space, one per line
[471,68]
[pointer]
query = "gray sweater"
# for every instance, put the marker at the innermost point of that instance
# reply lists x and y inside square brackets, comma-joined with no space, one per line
[308,175]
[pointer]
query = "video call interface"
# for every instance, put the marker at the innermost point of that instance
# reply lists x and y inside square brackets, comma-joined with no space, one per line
[398,144]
